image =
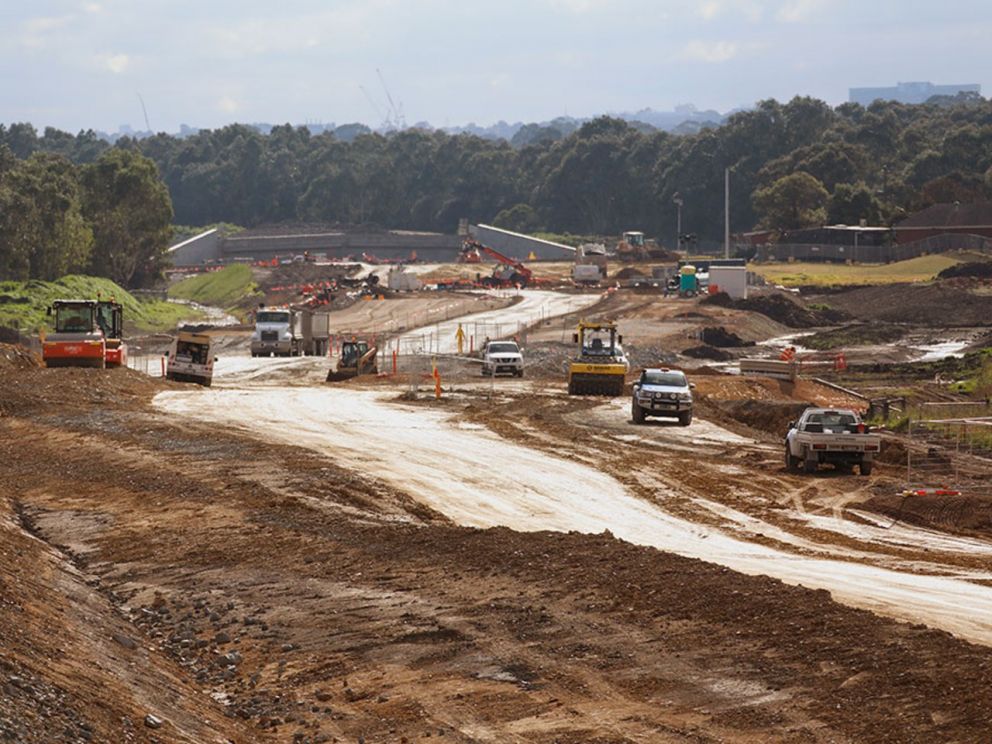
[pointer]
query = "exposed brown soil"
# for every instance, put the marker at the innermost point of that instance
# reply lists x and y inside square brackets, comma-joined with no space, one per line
[240,590]
[942,304]
[962,514]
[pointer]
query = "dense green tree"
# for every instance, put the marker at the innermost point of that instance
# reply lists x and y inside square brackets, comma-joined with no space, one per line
[129,208]
[519,218]
[851,203]
[791,203]
[604,176]
[42,231]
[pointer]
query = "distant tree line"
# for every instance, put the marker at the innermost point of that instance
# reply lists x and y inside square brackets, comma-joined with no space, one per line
[793,165]
[110,217]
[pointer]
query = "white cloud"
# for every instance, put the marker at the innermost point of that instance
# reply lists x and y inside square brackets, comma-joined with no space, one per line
[797,11]
[116,63]
[710,10]
[37,30]
[93,7]
[711,51]
[581,6]
[228,105]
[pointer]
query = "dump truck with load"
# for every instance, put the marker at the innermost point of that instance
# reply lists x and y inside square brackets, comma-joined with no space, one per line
[827,435]
[289,331]
[77,340]
[190,359]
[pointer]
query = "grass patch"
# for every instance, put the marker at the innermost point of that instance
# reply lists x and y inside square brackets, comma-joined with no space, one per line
[854,335]
[920,269]
[24,305]
[230,287]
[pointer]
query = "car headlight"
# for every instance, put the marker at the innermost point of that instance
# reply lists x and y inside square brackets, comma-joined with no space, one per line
[685,396]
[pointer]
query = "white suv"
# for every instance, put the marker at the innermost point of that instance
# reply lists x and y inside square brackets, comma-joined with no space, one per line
[502,357]
[662,392]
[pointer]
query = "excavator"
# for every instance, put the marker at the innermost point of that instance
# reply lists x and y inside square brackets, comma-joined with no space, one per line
[357,358]
[509,272]
[599,366]
[78,340]
[110,318]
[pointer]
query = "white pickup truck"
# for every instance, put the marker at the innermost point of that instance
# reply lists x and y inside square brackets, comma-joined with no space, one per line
[502,357]
[827,435]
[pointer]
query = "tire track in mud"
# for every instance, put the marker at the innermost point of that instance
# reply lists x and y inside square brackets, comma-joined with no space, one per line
[479,479]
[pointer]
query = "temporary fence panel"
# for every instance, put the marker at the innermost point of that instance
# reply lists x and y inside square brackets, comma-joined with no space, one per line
[950,454]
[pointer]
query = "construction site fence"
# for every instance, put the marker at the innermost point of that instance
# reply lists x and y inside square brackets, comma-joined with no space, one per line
[871,253]
[950,454]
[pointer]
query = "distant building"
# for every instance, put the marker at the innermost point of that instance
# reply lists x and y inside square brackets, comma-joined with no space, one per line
[909,92]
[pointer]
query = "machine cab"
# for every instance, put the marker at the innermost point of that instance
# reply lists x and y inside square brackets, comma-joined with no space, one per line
[634,239]
[110,318]
[600,341]
[74,316]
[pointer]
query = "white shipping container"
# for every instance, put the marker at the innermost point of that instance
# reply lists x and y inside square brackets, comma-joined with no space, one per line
[730,279]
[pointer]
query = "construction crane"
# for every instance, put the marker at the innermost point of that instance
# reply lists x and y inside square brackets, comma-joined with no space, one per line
[395,118]
[508,273]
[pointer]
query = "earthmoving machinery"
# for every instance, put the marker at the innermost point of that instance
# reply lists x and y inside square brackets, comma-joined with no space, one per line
[110,318]
[509,272]
[189,359]
[357,358]
[631,246]
[599,366]
[78,340]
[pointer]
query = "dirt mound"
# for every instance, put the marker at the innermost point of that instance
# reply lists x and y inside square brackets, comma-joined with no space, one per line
[16,356]
[764,415]
[630,272]
[708,352]
[781,308]
[30,387]
[980,269]
[935,304]
[722,338]
[954,513]
[855,335]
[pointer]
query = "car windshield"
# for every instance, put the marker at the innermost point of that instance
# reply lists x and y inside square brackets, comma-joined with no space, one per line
[267,316]
[503,348]
[195,353]
[832,420]
[73,319]
[669,379]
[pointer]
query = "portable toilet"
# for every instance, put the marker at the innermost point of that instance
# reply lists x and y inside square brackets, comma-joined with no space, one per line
[688,285]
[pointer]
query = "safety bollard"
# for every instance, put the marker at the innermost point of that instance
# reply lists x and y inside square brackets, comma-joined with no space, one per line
[163,366]
[394,362]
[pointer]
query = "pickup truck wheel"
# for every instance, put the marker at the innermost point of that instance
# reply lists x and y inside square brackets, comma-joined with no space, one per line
[685,419]
[791,462]
[520,373]
[636,413]
[865,467]
[810,466]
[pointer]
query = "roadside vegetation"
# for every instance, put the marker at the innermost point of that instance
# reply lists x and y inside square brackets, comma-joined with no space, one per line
[802,274]
[230,288]
[23,305]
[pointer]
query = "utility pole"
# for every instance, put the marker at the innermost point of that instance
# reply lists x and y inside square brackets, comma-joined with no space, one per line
[677,199]
[726,213]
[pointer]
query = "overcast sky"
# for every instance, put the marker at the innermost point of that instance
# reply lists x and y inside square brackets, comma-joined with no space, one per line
[78,64]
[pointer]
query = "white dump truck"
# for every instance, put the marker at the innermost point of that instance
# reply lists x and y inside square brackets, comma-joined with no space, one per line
[827,435]
[289,331]
[190,359]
